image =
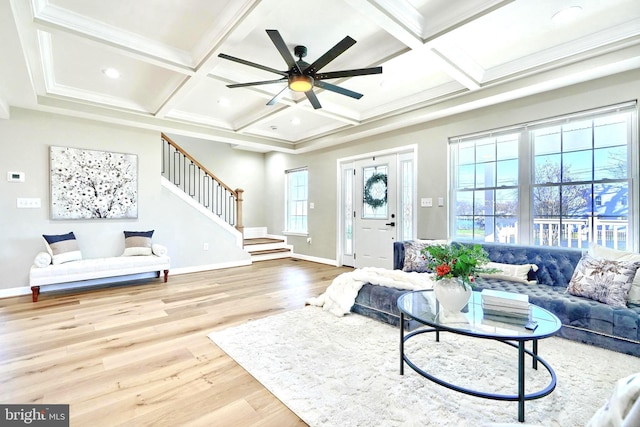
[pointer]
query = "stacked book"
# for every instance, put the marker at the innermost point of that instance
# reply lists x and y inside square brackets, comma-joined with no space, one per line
[506,305]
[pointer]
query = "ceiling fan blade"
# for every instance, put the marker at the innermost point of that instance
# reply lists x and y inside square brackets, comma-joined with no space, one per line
[279,95]
[252,64]
[348,73]
[278,41]
[265,82]
[313,99]
[331,54]
[338,89]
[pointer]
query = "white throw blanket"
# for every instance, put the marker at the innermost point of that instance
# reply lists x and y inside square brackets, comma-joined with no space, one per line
[341,294]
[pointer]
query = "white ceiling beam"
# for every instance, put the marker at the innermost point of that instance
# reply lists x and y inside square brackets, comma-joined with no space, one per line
[388,22]
[458,71]
[435,30]
[404,22]
[54,18]
[602,42]
[242,17]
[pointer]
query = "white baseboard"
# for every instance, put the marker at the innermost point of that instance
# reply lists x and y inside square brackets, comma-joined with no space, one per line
[15,292]
[332,262]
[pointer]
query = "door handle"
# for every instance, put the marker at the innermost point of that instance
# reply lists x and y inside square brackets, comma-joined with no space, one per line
[393,224]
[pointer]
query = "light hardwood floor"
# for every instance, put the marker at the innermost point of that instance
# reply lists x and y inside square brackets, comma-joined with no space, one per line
[139,355]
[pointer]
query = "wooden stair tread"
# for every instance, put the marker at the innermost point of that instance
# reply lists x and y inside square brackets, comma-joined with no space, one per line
[262,241]
[270,251]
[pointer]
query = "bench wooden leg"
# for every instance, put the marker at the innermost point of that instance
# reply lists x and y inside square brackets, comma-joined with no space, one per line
[35,291]
[166,275]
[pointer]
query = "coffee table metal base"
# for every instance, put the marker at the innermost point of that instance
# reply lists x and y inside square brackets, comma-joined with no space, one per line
[521,397]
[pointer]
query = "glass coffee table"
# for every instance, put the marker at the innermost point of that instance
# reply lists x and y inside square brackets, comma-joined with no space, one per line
[423,307]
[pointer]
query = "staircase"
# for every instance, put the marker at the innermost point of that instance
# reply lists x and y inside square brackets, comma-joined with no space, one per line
[262,246]
[219,201]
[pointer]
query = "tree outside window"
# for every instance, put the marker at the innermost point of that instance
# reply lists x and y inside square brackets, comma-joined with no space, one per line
[579,186]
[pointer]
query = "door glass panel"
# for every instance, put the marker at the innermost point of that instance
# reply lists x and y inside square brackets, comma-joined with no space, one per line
[348,211]
[374,203]
[406,201]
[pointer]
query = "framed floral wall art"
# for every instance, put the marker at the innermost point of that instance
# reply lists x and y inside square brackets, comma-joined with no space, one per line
[88,184]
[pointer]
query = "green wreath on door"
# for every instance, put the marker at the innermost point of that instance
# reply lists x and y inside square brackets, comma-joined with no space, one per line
[368,197]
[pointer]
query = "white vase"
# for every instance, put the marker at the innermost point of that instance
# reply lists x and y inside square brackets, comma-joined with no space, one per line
[452,294]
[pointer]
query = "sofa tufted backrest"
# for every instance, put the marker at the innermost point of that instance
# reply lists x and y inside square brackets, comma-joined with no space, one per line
[555,265]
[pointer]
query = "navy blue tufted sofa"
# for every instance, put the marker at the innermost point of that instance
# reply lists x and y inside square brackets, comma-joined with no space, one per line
[583,319]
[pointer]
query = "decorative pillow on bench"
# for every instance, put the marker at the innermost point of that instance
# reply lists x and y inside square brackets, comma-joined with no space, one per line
[62,247]
[137,243]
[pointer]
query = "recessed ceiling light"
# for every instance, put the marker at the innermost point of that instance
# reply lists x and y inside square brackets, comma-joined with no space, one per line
[295,121]
[566,15]
[112,73]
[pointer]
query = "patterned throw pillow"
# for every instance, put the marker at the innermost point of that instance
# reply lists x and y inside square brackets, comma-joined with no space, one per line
[617,255]
[413,258]
[62,247]
[603,280]
[137,243]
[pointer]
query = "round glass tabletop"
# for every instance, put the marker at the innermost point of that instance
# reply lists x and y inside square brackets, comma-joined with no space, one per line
[472,320]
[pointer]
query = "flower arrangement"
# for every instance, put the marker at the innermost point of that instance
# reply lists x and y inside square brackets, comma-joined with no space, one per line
[457,260]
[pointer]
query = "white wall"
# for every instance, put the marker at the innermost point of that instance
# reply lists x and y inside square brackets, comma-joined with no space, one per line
[432,139]
[25,141]
[26,137]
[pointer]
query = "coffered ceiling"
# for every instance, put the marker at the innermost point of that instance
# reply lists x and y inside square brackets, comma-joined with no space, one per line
[439,57]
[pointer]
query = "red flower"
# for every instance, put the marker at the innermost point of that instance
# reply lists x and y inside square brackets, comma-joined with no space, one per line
[443,270]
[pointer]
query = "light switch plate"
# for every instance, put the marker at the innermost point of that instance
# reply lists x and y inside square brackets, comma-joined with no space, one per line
[426,202]
[440,201]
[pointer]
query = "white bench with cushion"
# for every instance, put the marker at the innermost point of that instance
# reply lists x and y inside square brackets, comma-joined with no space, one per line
[63,263]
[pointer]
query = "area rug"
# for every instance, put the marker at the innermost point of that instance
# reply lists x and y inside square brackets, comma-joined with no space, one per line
[344,371]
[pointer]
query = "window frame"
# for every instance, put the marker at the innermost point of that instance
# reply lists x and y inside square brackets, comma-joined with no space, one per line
[303,203]
[526,173]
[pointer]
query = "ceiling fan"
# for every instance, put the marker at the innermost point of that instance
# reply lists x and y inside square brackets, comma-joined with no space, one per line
[303,77]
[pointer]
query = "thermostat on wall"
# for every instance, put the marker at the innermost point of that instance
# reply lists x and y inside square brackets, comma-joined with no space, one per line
[15,176]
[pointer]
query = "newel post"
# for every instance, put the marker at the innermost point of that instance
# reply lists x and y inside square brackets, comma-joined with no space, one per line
[239,199]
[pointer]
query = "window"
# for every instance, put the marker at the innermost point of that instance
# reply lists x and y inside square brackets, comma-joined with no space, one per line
[297,192]
[406,197]
[565,182]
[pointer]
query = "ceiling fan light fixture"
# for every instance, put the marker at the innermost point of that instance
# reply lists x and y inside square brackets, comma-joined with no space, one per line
[299,83]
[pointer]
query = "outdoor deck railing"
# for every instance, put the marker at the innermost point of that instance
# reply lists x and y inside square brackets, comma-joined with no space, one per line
[576,233]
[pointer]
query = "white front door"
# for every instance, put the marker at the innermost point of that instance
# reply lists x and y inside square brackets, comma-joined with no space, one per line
[375,216]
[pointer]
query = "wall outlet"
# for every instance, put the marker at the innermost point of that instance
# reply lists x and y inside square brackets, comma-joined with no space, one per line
[308,240]
[205,247]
